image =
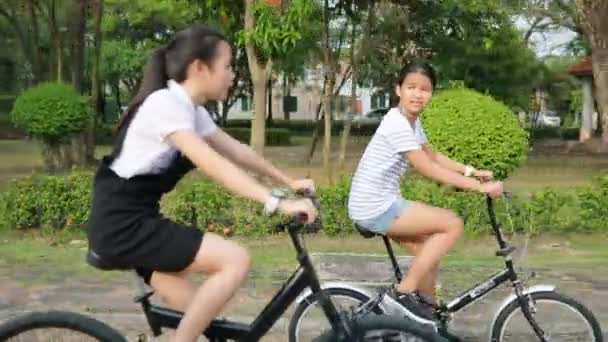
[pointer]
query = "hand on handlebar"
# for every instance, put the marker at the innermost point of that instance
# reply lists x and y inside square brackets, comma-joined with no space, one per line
[483,175]
[492,189]
[305,185]
[299,207]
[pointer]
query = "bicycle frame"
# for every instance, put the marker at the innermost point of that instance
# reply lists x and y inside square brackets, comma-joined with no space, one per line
[471,295]
[221,329]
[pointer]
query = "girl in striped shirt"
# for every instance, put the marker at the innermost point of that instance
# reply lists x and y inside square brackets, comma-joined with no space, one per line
[375,202]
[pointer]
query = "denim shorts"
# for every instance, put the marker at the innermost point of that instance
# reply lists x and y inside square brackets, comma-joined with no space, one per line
[383,222]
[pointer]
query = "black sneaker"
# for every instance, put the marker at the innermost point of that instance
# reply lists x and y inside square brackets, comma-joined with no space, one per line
[413,303]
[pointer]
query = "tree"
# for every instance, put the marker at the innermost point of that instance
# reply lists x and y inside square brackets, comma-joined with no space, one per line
[270,31]
[358,50]
[593,14]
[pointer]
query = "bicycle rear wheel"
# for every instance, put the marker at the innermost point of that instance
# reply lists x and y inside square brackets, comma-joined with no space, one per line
[385,328]
[55,326]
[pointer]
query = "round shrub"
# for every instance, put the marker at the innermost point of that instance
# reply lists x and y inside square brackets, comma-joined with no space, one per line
[51,111]
[475,129]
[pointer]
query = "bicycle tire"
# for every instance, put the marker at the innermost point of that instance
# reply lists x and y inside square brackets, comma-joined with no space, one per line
[393,323]
[302,308]
[501,320]
[60,319]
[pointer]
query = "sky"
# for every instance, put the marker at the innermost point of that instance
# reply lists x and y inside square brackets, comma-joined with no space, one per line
[549,43]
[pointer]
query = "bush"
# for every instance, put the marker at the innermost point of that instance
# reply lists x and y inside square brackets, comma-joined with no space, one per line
[307,127]
[8,130]
[6,104]
[47,201]
[475,129]
[274,136]
[570,133]
[104,133]
[593,205]
[51,112]
[64,201]
[545,133]
[554,133]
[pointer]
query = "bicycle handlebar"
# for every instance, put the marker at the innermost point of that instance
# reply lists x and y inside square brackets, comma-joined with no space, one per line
[298,222]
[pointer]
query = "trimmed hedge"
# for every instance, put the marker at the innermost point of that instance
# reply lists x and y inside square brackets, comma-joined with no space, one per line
[475,129]
[554,133]
[274,136]
[6,103]
[51,111]
[64,202]
[307,127]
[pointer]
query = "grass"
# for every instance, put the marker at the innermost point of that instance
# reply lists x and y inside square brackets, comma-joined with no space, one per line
[22,157]
[274,258]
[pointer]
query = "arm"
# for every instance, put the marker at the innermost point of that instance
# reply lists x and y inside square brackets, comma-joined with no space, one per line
[244,155]
[443,160]
[218,168]
[428,167]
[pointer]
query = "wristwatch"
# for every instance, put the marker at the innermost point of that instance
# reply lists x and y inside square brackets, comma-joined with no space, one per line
[271,205]
[469,170]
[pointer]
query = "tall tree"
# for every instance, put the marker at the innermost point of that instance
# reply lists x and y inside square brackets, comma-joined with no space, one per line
[270,31]
[593,14]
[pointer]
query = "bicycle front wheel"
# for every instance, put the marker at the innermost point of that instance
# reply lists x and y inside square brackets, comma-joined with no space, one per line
[385,328]
[55,326]
[560,317]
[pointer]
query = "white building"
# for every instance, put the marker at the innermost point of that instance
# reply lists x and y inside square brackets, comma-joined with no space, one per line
[308,94]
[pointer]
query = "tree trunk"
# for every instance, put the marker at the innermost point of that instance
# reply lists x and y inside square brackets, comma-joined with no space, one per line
[593,14]
[79,27]
[78,143]
[353,98]
[600,75]
[327,95]
[260,73]
[269,103]
[225,110]
[34,33]
[317,132]
[587,110]
[286,92]
[96,91]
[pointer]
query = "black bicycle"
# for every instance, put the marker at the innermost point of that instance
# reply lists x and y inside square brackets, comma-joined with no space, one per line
[344,325]
[526,315]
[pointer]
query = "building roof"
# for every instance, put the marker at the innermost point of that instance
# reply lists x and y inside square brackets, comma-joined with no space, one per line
[583,68]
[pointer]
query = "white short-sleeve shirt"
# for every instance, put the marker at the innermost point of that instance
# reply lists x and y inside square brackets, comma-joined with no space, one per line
[375,185]
[146,149]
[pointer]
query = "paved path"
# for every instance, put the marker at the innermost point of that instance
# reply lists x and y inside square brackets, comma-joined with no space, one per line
[110,300]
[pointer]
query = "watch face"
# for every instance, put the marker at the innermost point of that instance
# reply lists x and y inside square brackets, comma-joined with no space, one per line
[278,193]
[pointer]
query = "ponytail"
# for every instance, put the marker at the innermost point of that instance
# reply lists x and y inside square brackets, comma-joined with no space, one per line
[197,42]
[155,78]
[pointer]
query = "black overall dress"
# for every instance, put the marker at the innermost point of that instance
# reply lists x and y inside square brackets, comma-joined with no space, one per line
[125,226]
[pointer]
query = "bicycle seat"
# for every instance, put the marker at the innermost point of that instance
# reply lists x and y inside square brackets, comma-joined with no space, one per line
[98,262]
[365,233]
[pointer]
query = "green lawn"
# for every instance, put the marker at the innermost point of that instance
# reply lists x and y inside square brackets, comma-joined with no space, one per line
[22,157]
[22,254]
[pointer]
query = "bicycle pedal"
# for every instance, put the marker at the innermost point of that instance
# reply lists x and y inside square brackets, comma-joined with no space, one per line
[139,299]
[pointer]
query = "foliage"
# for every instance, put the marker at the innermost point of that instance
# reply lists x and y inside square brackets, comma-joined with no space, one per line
[51,112]
[277,30]
[475,129]
[47,201]
[274,136]
[6,104]
[64,202]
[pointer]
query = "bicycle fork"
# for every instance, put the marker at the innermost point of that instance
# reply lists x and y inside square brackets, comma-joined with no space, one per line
[528,308]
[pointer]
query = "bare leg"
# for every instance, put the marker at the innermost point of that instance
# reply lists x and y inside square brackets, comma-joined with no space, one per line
[227,263]
[427,285]
[443,229]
